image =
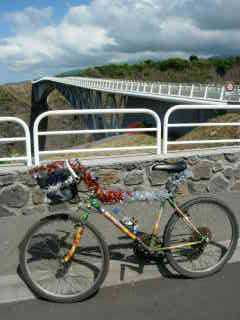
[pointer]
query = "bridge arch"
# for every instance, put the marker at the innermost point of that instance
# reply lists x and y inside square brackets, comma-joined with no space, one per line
[77,97]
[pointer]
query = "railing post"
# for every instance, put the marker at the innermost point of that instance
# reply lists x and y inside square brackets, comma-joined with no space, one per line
[165,131]
[28,147]
[159,142]
[27,139]
[180,90]
[36,140]
[206,92]
[222,93]
[160,89]
[192,90]
[151,91]
[169,89]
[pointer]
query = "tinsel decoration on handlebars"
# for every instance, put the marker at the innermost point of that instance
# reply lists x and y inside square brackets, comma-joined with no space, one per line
[61,186]
[52,177]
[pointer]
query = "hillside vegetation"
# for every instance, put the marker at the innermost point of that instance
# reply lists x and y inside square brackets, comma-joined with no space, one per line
[15,100]
[213,133]
[212,70]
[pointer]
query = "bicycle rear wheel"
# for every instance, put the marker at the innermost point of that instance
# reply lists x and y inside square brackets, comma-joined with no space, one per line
[41,259]
[214,220]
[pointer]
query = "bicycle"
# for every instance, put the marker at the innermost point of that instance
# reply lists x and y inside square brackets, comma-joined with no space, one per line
[64,258]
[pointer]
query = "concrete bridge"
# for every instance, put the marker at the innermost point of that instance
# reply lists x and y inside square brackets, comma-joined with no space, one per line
[84,93]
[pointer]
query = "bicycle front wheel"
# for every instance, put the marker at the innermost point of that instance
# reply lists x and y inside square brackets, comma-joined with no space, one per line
[215,221]
[42,263]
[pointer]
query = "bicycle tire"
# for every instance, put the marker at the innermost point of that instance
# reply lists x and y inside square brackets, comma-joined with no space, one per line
[174,220]
[27,276]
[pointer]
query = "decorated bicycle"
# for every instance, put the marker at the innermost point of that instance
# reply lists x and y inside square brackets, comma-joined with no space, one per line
[64,258]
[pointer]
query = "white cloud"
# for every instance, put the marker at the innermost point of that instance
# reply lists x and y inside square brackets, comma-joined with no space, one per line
[115,30]
[29,19]
[214,14]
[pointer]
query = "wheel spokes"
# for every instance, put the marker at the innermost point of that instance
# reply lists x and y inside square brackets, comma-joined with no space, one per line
[44,260]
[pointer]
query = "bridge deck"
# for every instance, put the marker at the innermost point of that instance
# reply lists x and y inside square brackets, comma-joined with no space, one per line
[176,92]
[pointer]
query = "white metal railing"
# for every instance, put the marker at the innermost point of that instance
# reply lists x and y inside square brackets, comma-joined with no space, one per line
[37,133]
[167,125]
[160,146]
[28,157]
[185,92]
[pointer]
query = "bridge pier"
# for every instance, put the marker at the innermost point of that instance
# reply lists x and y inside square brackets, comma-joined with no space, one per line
[161,107]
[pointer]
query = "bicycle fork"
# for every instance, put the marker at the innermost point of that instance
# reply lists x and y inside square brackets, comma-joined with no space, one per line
[76,242]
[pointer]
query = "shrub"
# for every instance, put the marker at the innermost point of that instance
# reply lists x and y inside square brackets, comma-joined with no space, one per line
[193,58]
[174,64]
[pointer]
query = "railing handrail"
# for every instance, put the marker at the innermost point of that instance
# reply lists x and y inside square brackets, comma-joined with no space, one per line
[26,138]
[36,132]
[171,110]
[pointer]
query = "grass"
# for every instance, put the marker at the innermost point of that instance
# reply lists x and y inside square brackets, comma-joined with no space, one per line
[123,140]
[212,133]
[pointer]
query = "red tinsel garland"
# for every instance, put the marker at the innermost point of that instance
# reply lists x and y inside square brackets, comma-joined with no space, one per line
[105,196]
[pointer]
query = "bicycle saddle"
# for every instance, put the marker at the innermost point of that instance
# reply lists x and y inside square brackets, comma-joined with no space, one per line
[171,167]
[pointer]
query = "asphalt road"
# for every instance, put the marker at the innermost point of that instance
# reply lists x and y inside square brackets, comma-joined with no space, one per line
[212,298]
[216,297]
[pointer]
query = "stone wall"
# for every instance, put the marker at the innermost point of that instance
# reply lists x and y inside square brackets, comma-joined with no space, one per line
[19,194]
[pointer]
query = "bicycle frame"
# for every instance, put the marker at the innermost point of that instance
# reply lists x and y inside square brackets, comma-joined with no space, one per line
[95,200]
[96,204]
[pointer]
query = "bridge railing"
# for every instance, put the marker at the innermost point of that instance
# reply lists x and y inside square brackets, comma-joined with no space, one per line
[36,133]
[26,138]
[207,141]
[200,92]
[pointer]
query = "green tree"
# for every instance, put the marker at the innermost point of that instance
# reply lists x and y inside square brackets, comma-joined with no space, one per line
[193,58]
[222,65]
[177,64]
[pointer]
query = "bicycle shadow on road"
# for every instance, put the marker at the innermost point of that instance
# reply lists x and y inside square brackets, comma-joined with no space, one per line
[123,253]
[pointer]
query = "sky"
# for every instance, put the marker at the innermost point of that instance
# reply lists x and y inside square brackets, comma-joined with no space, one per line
[40,38]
